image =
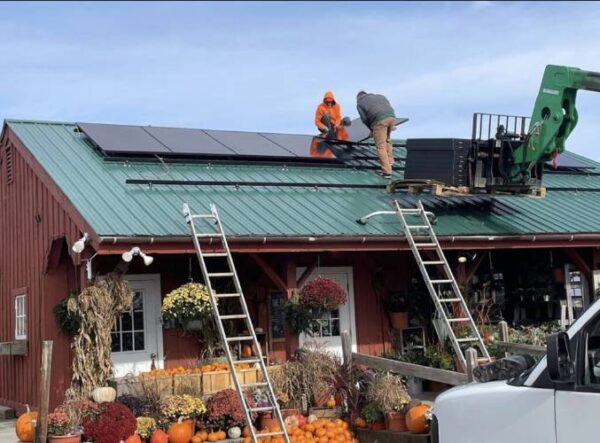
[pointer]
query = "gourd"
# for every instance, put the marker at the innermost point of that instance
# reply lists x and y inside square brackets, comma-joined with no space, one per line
[180,432]
[312,418]
[222,435]
[133,439]
[330,403]
[202,434]
[234,432]
[416,419]
[104,394]
[360,422]
[213,436]
[25,426]
[197,439]
[159,436]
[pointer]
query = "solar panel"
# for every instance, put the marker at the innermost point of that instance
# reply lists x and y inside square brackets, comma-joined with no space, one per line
[188,141]
[567,161]
[249,143]
[359,132]
[122,138]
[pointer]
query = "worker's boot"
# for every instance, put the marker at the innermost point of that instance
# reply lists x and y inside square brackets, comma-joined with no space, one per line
[504,368]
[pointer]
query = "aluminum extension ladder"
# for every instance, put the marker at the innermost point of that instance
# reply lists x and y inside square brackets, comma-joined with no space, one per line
[437,286]
[217,233]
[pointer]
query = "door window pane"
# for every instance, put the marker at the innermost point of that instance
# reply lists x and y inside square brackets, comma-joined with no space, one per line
[129,332]
[327,323]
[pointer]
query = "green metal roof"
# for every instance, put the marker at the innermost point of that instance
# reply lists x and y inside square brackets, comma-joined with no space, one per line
[98,191]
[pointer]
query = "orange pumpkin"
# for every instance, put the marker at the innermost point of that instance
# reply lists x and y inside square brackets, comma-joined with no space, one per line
[331,402]
[197,439]
[416,419]
[247,351]
[360,423]
[133,439]
[159,436]
[213,436]
[247,440]
[222,435]
[202,434]
[25,426]
[180,432]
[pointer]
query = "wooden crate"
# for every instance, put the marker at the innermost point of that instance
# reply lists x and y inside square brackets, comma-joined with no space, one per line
[188,384]
[136,386]
[217,381]
[335,412]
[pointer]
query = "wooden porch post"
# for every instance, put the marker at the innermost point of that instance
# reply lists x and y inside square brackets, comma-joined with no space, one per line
[291,339]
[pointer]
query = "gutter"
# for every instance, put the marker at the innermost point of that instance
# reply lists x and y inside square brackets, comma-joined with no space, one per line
[112,240]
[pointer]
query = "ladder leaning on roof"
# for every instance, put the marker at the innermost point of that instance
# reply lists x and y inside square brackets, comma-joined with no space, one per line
[438,286]
[217,233]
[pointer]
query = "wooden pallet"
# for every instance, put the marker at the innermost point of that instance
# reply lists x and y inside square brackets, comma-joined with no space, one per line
[439,189]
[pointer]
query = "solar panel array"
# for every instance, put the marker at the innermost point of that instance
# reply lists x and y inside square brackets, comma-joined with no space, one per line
[124,140]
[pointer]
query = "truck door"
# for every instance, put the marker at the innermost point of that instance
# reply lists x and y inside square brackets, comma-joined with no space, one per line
[577,405]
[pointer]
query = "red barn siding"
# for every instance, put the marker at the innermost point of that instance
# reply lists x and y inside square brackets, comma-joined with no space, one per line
[25,243]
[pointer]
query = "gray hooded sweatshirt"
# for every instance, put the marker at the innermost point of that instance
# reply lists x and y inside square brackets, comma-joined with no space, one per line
[373,108]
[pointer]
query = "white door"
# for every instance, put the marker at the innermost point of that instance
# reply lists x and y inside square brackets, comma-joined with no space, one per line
[137,334]
[330,326]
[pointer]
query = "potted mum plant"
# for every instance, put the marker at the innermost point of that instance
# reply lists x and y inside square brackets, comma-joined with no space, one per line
[60,428]
[188,306]
[114,423]
[224,410]
[373,416]
[186,408]
[396,308]
[322,294]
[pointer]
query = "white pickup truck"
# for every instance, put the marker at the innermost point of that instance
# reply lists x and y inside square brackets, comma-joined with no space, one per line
[556,401]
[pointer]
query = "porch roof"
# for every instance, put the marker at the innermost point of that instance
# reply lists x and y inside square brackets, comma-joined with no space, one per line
[99,192]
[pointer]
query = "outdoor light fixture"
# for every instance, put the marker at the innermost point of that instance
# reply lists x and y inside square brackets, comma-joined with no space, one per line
[128,256]
[79,245]
[462,259]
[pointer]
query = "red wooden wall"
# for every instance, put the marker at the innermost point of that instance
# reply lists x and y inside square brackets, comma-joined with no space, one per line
[30,219]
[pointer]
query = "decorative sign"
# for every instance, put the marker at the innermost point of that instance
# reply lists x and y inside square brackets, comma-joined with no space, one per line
[277,319]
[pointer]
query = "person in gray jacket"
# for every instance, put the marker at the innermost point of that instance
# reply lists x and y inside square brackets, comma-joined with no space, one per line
[378,115]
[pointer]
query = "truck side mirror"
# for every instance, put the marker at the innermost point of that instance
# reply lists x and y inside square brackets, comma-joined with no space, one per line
[560,366]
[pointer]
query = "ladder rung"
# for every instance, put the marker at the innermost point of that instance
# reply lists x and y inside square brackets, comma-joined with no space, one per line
[434,262]
[458,320]
[262,408]
[203,216]
[425,245]
[268,434]
[221,274]
[247,360]
[438,282]
[227,295]
[449,300]
[215,254]
[467,339]
[254,385]
[232,316]
[417,226]
[241,338]
[410,211]
[209,235]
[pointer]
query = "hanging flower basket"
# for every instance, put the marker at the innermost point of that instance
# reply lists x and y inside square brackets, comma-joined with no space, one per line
[323,293]
[189,306]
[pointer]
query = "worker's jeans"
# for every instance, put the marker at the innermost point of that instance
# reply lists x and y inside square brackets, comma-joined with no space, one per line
[381,134]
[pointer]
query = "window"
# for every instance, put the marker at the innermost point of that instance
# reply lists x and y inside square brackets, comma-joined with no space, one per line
[20,318]
[128,334]
[327,323]
[591,351]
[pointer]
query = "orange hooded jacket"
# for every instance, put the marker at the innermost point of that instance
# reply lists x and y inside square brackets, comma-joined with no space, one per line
[334,111]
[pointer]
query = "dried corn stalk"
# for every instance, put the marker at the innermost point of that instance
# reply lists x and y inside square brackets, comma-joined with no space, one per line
[98,305]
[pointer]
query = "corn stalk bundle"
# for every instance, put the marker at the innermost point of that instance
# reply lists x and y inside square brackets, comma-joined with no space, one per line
[98,306]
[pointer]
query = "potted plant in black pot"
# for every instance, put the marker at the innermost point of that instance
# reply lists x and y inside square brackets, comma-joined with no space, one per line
[397,309]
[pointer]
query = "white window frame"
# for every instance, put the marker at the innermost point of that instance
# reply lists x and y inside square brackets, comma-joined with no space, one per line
[21,314]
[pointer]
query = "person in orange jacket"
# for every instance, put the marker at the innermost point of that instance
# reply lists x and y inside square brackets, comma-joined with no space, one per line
[328,116]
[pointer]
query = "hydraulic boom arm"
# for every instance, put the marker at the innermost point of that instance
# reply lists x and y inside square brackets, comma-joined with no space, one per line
[554,117]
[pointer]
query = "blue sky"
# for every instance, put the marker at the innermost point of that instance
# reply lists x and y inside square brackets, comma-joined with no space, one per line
[265,66]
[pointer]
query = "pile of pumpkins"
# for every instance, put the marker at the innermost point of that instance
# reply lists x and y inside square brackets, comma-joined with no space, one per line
[180,370]
[417,420]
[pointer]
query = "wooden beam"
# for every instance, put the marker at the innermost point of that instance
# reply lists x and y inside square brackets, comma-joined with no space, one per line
[410,369]
[522,348]
[580,263]
[45,371]
[270,272]
[475,266]
[307,272]
[346,348]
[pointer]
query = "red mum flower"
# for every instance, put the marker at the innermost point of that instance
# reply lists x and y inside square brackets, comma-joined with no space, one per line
[323,293]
